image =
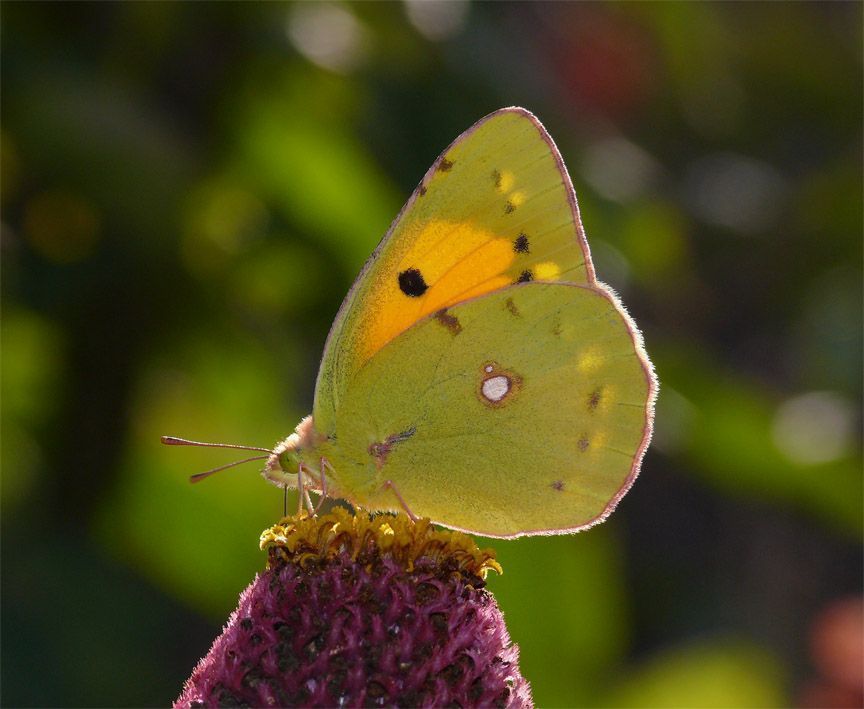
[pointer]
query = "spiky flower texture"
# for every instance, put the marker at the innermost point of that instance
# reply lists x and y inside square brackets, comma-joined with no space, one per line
[363,611]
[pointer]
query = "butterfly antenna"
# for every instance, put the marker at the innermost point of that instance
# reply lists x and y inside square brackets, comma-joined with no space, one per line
[198,477]
[174,441]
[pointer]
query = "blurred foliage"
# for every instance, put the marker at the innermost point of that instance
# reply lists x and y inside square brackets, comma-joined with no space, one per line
[188,190]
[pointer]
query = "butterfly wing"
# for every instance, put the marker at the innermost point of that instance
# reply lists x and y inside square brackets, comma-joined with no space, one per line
[496,208]
[523,411]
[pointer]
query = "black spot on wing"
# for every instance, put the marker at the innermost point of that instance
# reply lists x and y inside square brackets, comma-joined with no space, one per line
[496,178]
[594,399]
[411,283]
[583,443]
[521,244]
[525,276]
[558,485]
[509,207]
[421,190]
[445,165]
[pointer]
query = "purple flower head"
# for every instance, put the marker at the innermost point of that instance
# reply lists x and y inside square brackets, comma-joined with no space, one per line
[363,611]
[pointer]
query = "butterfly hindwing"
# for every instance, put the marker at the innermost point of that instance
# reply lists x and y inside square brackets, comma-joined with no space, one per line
[496,208]
[526,410]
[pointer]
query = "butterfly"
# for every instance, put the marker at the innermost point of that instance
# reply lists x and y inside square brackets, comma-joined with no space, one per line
[477,372]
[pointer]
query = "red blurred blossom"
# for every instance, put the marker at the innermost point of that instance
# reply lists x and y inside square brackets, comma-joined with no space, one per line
[606,62]
[837,652]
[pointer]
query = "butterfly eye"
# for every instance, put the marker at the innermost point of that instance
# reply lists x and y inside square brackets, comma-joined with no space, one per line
[289,461]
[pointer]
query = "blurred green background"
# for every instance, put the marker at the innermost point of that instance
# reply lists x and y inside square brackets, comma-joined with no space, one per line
[188,190]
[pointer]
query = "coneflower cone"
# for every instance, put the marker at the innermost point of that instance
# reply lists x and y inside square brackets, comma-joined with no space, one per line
[363,611]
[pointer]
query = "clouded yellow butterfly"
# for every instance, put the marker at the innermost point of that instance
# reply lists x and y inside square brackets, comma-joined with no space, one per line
[477,372]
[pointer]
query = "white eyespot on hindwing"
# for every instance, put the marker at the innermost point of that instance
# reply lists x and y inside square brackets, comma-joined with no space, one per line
[497,385]
[495,388]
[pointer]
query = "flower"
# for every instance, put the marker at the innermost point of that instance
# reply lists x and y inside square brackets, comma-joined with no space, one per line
[363,611]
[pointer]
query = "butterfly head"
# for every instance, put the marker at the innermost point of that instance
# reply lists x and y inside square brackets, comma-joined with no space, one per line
[284,462]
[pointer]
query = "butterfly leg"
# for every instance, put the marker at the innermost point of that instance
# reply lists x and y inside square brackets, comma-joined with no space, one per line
[324,465]
[388,484]
[303,491]
[300,489]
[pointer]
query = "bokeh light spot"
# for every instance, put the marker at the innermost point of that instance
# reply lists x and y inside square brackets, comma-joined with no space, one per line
[814,428]
[437,20]
[328,35]
[618,169]
[735,191]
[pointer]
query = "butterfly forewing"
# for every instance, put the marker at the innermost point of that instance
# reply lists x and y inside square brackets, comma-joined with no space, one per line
[497,208]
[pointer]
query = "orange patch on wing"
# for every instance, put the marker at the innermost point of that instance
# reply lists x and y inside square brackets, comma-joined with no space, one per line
[457,261]
[480,271]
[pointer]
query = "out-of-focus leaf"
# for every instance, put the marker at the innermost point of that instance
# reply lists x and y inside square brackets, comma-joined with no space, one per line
[730,443]
[721,674]
[315,170]
[31,374]
[200,541]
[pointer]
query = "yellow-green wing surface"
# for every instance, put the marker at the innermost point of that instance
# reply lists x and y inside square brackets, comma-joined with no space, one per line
[523,411]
